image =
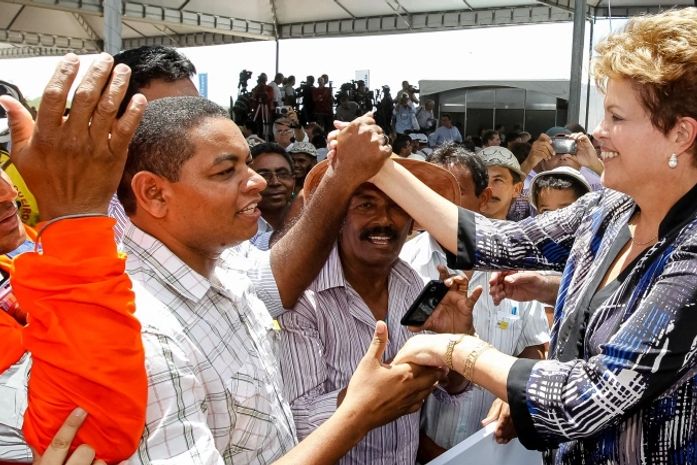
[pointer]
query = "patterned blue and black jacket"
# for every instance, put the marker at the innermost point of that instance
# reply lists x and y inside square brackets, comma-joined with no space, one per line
[621,387]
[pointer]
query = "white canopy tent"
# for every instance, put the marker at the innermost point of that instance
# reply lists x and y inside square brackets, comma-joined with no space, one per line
[53,27]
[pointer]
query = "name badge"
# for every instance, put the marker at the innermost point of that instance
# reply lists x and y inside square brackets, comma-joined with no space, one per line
[505,319]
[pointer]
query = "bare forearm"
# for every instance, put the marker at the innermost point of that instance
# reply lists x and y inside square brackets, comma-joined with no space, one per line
[328,443]
[436,214]
[299,133]
[298,256]
[548,294]
[491,367]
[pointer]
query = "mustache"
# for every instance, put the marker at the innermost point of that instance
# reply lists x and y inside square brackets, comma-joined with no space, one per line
[378,231]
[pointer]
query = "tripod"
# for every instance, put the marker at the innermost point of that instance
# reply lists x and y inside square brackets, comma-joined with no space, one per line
[262,111]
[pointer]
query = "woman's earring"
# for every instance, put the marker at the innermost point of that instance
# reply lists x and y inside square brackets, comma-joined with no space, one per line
[673,161]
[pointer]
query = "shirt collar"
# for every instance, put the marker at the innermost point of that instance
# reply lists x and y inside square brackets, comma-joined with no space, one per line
[170,269]
[426,247]
[332,274]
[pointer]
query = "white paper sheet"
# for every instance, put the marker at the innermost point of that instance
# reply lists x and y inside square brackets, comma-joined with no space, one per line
[482,449]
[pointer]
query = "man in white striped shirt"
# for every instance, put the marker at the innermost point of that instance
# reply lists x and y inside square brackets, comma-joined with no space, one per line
[363,281]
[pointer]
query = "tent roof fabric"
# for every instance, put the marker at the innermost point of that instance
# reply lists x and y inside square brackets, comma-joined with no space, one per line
[50,27]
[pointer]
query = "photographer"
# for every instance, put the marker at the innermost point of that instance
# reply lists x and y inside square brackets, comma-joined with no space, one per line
[287,129]
[425,117]
[410,91]
[289,98]
[404,118]
[544,157]
[307,112]
[323,103]
[244,78]
[276,88]
[347,110]
[364,97]
[263,93]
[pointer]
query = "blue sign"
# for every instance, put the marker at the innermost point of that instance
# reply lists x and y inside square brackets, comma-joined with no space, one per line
[203,84]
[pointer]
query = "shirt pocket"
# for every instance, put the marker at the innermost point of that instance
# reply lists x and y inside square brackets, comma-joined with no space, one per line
[507,329]
[250,397]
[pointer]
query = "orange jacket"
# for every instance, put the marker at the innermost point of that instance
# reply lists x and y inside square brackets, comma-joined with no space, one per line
[85,342]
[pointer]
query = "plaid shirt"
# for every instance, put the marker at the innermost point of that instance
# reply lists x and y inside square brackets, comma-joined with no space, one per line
[215,393]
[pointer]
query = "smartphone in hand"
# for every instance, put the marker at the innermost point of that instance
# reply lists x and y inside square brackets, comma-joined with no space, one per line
[425,303]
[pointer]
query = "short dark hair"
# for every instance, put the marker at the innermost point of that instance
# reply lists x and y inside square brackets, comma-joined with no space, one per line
[162,143]
[575,127]
[271,147]
[558,183]
[151,62]
[451,153]
[401,141]
[513,135]
[521,150]
[488,135]
[446,115]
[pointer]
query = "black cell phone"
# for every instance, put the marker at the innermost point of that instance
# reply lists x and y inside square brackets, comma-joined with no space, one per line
[563,145]
[425,303]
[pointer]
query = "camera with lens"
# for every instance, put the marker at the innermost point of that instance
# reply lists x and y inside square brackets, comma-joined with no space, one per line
[562,145]
[284,110]
[413,89]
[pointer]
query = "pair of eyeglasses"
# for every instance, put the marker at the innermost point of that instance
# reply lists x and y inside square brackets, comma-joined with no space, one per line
[281,175]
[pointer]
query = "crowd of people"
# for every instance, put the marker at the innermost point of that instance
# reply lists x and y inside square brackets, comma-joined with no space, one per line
[197,294]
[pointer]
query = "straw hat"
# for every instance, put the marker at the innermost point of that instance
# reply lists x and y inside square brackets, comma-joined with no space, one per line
[435,177]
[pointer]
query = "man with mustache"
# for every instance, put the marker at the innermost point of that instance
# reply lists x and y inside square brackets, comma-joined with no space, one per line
[505,180]
[363,281]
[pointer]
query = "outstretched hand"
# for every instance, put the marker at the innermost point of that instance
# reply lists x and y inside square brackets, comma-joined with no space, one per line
[408,385]
[454,313]
[74,164]
[522,286]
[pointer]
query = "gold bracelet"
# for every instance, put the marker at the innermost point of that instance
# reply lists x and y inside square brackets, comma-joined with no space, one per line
[471,360]
[449,351]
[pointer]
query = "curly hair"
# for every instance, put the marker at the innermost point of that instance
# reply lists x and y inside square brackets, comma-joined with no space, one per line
[658,53]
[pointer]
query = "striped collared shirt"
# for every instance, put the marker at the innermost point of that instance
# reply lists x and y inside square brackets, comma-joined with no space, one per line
[323,340]
[215,393]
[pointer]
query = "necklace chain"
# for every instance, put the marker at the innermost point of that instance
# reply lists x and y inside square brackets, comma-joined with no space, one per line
[633,221]
[642,244]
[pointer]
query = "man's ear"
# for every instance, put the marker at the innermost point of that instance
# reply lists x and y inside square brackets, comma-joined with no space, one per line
[151,192]
[484,198]
[517,189]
